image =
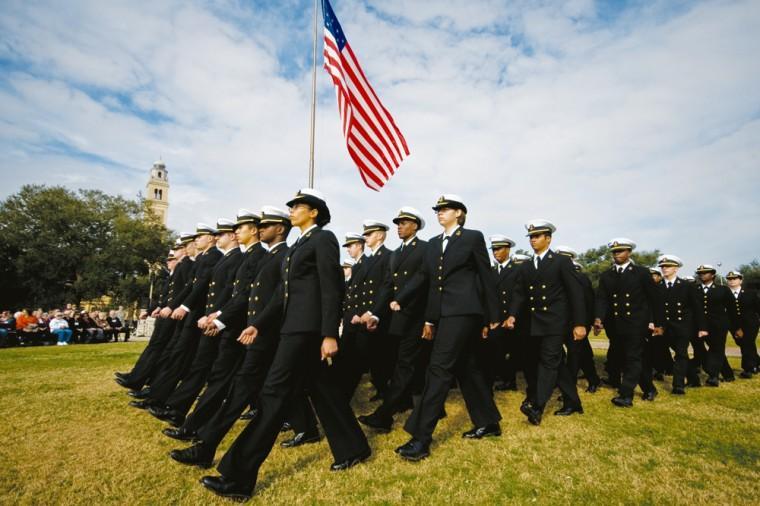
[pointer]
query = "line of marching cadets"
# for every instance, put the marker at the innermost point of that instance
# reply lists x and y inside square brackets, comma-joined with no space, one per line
[250,327]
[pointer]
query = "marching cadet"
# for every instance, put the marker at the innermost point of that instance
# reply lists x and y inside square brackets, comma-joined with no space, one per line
[405,326]
[219,290]
[684,318]
[628,291]
[580,355]
[263,318]
[461,300]
[188,307]
[526,350]
[716,306]
[309,302]
[499,348]
[348,265]
[662,361]
[149,362]
[369,350]
[548,285]
[351,319]
[745,321]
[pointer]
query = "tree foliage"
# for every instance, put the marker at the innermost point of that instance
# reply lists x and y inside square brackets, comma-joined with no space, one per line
[751,274]
[60,246]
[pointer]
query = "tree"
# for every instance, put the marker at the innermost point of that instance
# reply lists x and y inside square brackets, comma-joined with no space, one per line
[751,274]
[59,246]
[597,260]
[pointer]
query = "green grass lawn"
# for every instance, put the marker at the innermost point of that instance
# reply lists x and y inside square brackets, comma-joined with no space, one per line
[68,437]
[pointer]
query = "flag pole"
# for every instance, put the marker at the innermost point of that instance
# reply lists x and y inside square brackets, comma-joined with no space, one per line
[313,98]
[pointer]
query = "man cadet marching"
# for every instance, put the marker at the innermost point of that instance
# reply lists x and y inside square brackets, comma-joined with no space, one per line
[580,355]
[745,321]
[370,349]
[717,302]
[499,349]
[405,326]
[549,287]
[628,293]
[684,318]
[219,291]
[351,318]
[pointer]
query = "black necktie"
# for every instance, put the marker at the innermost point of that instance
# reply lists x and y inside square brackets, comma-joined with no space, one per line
[445,242]
[538,262]
[401,248]
[670,284]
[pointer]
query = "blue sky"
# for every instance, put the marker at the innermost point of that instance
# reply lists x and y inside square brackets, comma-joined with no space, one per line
[635,119]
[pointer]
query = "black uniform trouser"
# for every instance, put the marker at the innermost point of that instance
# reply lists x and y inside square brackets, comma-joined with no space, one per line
[145,366]
[244,390]
[226,366]
[204,363]
[580,356]
[353,360]
[454,353]
[493,353]
[615,359]
[637,368]
[296,365]
[716,349]
[409,374]
[748,346]
[662,360]
[698,360]
[678,341]
[178,362]
[382,362]
[525,352]
[553,372]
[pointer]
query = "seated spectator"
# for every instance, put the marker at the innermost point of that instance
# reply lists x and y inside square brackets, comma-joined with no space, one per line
[7,329]
[102,321]
[44,336]
[60,328]
[116,324]
[91,332]
[68,315]
[26,327]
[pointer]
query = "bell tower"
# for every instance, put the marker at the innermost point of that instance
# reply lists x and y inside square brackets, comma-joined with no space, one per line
[157,190]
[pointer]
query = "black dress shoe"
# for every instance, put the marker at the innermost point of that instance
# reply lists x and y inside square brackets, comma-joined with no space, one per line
[377,422]
[649,396]
[592,388]
[569,410]
[712,382]
[503,386]
[168,414]
[140,394]
[122,375]
[142,404]
[227,488]
[490,430]
[533,414]
[405,446]
[300,439]
[694,383]
[745,375]
[414,450]
[180,434]
[622,402]
[348,463]
[250,414]
[729,379]
[678,391]
[124,382]
[196,455]
[286,427]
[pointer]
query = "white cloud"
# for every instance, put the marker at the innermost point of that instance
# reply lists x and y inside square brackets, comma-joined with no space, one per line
[645,127]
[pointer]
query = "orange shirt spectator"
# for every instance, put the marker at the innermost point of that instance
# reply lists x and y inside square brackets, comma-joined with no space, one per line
[24,321]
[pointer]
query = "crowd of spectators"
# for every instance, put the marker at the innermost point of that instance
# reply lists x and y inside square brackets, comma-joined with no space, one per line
[63,327]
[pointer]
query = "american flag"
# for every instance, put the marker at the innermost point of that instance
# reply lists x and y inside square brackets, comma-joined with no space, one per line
[374,142]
